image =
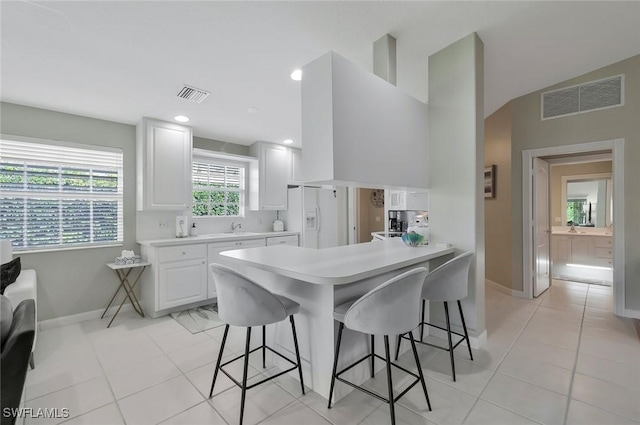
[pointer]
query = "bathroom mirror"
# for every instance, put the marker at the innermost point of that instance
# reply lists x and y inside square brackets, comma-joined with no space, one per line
[587,200]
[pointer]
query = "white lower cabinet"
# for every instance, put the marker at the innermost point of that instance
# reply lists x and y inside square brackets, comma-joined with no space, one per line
[582,249]
[214,250]
[179,276]
[182,282]
[182,275]
[291,240]
[573,257]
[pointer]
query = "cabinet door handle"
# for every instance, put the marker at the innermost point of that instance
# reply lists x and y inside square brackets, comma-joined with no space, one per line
[184,253]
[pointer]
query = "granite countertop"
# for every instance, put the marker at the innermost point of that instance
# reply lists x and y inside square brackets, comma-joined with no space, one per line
[213,237]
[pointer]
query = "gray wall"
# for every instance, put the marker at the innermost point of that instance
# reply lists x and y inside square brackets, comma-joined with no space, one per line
[77,281]
[530,132]
[497,210]
[456,161]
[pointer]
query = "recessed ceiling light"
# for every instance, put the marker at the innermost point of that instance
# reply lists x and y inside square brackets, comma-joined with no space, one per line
[181,118]
[287,142]
[296,75]
[252,109]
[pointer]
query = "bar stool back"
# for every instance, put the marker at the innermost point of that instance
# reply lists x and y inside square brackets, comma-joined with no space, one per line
[447,283]
[244,302]
[389,309]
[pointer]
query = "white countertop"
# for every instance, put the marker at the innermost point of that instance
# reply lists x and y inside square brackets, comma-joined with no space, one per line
[338,265]
[213,237]
[580,233]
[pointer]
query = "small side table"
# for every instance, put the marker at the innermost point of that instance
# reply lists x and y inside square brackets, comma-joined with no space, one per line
[123,271]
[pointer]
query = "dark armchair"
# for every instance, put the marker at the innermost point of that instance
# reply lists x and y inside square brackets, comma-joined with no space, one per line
[15,359]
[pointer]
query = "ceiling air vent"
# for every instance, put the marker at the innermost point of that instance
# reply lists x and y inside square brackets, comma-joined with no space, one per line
[586,97]
[193,94]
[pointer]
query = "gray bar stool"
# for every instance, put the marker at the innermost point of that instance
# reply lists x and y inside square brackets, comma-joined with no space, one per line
[389,309]
[447,283]
[243,302]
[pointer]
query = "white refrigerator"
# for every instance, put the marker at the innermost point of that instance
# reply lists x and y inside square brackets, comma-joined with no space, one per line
[320,215]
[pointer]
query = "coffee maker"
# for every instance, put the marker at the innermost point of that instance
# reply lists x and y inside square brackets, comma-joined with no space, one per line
[393,221]
[399,220]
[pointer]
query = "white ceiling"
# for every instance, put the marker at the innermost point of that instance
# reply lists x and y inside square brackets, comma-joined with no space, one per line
[120,61]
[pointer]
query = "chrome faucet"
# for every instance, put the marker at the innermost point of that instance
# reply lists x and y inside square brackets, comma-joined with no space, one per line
[235,226]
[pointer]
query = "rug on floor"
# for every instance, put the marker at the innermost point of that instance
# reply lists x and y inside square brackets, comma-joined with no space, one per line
[199,319]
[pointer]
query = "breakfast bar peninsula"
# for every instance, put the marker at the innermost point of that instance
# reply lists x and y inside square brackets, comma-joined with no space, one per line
[320,279]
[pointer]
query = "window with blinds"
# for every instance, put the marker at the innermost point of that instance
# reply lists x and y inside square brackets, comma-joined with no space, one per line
[56,195]
[218,188]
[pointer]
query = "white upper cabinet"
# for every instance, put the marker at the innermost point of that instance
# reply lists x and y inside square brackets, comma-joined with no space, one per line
[411,200]
[274,173]
[163,155]
[296,166]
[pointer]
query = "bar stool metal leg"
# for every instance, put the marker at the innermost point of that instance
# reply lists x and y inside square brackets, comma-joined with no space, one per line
[464,326]
[335,364]
[373,354]
[295,344]
[264,346]
[245,373]
[424,302]
[415,355]
[453,365]
[215,374]
[389,380]
[398,346]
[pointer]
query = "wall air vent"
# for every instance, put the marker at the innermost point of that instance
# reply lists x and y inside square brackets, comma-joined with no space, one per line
[193,94]
[586,97]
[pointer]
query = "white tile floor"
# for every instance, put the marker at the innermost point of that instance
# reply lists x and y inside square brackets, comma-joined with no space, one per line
[561,359]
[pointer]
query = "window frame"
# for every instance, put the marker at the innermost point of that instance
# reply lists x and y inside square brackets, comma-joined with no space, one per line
[203,157]
[67,196]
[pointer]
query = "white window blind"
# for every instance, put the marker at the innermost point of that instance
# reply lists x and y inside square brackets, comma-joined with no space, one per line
[60,195]
[218,188]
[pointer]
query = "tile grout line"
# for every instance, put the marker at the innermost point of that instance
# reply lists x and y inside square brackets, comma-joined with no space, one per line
[281,409]
[445,383]
[80,383]
[104,376]
[500,362]
[477,398]
[575,363]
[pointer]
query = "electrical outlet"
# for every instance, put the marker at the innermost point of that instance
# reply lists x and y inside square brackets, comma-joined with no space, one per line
[163,224]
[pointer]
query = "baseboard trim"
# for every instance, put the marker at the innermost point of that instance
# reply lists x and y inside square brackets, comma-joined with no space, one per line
[498,287]
[518,294]
[632,314]
[77,318]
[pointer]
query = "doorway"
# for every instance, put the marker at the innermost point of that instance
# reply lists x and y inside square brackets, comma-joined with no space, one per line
[537,218]
[365,213]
